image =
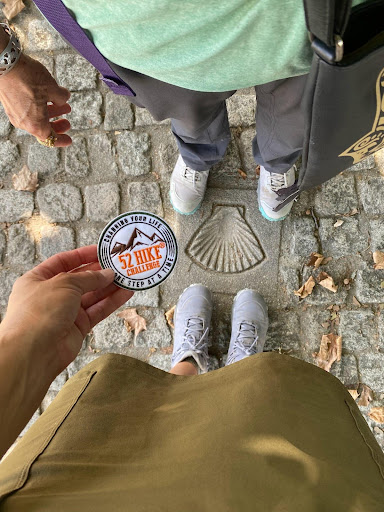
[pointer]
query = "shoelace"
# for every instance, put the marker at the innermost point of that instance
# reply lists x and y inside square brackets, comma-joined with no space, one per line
[191,175]
[277,181]
[194,338]
[246,340]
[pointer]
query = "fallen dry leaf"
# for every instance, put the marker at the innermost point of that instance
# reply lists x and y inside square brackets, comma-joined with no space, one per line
[327,282]
[377,414]
[169,316]
[25,180]
[354,393]
[329,352]
[315,260]
[306,289]
[356,302]
[366,395]
[133,321]
[12,8]
[338,223]
[257,170]
[378,258]
[327,260]
[377,430]
[243,174]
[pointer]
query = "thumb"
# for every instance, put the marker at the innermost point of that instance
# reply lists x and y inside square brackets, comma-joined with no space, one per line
[91,280]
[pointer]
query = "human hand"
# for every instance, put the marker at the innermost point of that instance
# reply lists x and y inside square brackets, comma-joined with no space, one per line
[58,302]
[31,97]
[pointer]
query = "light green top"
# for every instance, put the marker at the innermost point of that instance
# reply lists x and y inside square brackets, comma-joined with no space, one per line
[204,45]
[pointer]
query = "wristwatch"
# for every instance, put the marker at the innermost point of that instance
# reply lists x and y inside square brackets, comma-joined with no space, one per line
[12,52]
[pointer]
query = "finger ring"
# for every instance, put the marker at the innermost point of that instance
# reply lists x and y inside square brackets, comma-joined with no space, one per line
[49,142]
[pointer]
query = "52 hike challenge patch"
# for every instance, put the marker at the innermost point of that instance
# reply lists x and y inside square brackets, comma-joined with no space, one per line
[140,247]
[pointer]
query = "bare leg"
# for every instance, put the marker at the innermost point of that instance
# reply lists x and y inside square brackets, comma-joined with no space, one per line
[184,368]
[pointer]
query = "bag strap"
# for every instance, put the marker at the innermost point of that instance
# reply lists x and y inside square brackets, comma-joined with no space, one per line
[327,21]
[60,18]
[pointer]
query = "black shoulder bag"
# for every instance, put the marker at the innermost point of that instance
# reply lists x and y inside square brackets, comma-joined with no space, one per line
[344,97]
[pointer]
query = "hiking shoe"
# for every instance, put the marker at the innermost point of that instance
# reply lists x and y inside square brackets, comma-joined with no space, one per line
[249,326]
[269,184]
[192,321]
[187,188]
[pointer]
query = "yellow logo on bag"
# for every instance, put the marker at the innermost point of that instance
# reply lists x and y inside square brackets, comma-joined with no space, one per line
[374,140]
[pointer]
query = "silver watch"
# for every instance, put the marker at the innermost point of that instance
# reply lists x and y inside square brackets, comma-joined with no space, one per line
[12,52]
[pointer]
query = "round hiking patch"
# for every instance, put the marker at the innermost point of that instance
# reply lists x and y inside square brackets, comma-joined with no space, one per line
[140,247]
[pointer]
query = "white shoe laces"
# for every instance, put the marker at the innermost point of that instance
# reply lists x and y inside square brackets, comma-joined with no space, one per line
[246,340]
[195,337]
[190,175]
[277,181]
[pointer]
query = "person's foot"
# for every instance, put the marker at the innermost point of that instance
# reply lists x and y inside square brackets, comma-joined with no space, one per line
[187,188]
[269,184]
[192,321]
[249,325]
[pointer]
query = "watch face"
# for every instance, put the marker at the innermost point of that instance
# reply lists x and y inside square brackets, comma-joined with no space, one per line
[140,247]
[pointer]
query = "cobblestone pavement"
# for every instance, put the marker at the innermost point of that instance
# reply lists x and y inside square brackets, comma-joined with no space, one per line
[122,159]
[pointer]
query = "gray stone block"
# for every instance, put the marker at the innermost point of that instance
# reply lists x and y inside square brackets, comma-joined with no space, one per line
[147,298]
[9,155]
[160,360]
[118,113]
[110,335]
[344,240]
[371,371]
[377,234]
[283,332]
[300,232]
[312,330]
[102,156]
[241,110]
[144,118]
[2,246]
[321,296]
[133,153]
[34,418]
[245,144]
[145,196]
[55,239]
[85,112]
[41,36]
[358,330]
[43,160]
[346,371]
[48,399]
[380,342]
[21,249]
[76,158]
[15,205]
[369,286]
[75,73]
[85,357]
[371,191]
[337,195]
[60,203]
[364,165]
[7,278]
[5,125]
[225,174]
[157,334]
[88,236]
[102,201]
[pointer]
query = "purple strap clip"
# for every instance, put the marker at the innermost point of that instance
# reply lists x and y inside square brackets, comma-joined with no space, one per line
[59,17]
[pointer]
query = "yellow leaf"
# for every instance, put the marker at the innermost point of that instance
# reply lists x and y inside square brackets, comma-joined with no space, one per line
[366,395]
[315,260]
[329,351]
[338,223]
[306,289]
[243,174]
[169,316]
[327,282]
[133,321]
[12,8]
[354,393]
[378,258]
[356,302]
[25,180]
[377,414]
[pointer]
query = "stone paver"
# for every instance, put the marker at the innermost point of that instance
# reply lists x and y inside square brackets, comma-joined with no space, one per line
[121,159]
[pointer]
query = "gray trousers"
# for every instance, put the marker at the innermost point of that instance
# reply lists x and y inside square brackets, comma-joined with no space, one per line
[200,122]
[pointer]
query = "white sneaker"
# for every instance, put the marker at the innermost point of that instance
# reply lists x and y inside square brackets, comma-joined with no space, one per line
[187,188]
[269,184]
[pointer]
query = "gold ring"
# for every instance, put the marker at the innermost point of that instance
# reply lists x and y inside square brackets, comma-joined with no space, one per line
[49,142]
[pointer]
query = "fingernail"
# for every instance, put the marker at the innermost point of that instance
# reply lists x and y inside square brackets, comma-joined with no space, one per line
[107,272]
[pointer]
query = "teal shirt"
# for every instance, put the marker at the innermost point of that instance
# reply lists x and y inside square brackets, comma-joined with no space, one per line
[203,45]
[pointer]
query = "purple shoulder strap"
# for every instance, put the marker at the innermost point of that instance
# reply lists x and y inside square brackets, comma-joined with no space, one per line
[59,17]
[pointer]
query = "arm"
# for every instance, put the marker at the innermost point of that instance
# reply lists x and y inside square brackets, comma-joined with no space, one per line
[31,97]
[50,310]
